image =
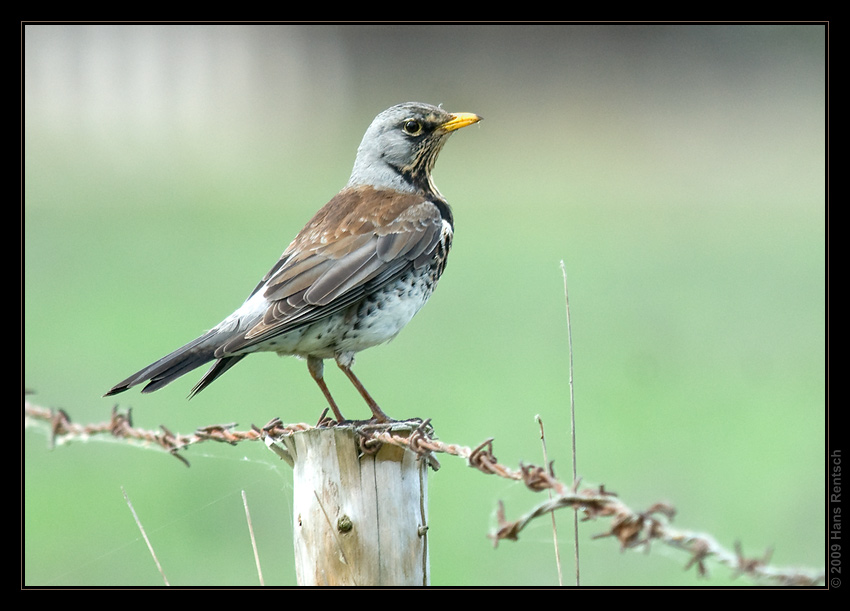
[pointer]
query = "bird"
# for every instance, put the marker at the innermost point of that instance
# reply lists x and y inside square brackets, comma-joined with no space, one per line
[354,276]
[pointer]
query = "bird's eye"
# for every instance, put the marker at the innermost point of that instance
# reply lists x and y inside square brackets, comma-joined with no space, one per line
[412,127]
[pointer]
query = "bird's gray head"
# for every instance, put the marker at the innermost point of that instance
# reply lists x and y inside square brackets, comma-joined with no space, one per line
[401,145]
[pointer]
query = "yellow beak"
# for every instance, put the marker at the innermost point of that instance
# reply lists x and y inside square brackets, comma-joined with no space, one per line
[460,119]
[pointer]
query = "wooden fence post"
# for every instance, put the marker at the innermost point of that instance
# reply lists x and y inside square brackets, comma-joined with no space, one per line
[359,519]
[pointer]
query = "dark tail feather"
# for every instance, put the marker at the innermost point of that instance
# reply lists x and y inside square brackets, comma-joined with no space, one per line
[181,361]
[218,368]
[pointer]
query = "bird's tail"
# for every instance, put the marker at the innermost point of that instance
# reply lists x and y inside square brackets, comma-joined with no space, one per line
[183,360]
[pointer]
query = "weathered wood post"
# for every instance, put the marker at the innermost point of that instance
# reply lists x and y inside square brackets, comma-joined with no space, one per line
[360,519]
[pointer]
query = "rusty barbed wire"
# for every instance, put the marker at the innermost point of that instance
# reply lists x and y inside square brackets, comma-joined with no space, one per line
[631,529]
[120,425]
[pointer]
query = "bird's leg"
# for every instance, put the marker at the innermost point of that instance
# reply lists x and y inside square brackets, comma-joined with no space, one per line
[345,365]
[317,368]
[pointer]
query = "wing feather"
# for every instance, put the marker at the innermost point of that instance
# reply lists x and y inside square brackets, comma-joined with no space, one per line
[360,241]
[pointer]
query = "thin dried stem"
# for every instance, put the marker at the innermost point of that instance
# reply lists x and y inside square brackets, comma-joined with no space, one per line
[144,536]
[253,539]
[572,416]
[554,525]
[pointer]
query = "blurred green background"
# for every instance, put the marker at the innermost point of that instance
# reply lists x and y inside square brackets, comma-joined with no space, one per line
[678,171]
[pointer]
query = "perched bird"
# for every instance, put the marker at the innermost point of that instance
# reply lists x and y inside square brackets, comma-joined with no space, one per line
[355,275]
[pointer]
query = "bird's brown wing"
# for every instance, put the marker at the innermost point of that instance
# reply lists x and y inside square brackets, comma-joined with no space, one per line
[361,240]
